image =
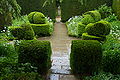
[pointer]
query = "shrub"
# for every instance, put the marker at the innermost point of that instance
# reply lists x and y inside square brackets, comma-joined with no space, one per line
[111,61]
[48,8]
[24,31]
[41,29]
[98,28]
[37,53]
[3,37]
[95,14]
[116,7]
[86,36]
[81,29]
[72,25]
[22,76]
[103,76]
[36,18]
[87,19]
[6,49]
[105,11]
[85,57]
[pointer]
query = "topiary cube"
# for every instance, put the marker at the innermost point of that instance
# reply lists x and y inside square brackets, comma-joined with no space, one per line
[41,29]
[95,14]
[36,52]
[87,19]
[36,18]
[98,28]
[22,32]
[81,29]
[86,36]
[85,57]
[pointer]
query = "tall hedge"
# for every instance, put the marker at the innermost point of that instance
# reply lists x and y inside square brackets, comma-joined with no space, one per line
[38,53]
[85,57]
[116,7]
[71,8]
[48,9]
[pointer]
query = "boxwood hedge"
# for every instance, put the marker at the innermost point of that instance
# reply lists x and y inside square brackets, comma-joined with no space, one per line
[85,57]
[37,53]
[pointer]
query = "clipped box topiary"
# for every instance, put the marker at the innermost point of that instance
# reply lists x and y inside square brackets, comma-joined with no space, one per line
[41,29]
[95,14]
[81,29]
[38,53]
[85,57]
[23,32]
[86,36]
[36,18]
[87,19]
[98,28]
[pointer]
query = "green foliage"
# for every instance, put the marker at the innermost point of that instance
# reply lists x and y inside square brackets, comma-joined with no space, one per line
[95,14]
[72,25]
[22,76]
[111,50]
[71,8]
[103,76]
[41,29]
[86,36]
[81,29]
[105,11]
[19,21]
[38,5]
[24,31]
[9,6]
[3,37]
[111,18]
[116,7]
[6,49]
[85,57]
[37,53]
[87,19]
[36,18]
[99,28]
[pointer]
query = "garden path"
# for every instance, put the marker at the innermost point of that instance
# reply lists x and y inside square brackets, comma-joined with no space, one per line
[61,47]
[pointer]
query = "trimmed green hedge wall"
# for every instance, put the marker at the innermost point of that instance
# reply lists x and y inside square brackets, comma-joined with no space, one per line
[85,57]
[41,29]
[22,32]
[37,5]
[71,8]
[38,53]
[99,28]
[116,7]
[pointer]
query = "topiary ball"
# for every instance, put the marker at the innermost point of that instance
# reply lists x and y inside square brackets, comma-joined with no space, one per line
[36,18]
[98,28]
[87,19]
[95,14]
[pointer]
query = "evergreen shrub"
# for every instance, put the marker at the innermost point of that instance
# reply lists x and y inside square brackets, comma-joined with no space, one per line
[86,36]
[85,57]
[95,14]
[87,19]
[38,53]
[22,32]
[81,29]
[99,28]
[36,18]
[41,29]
